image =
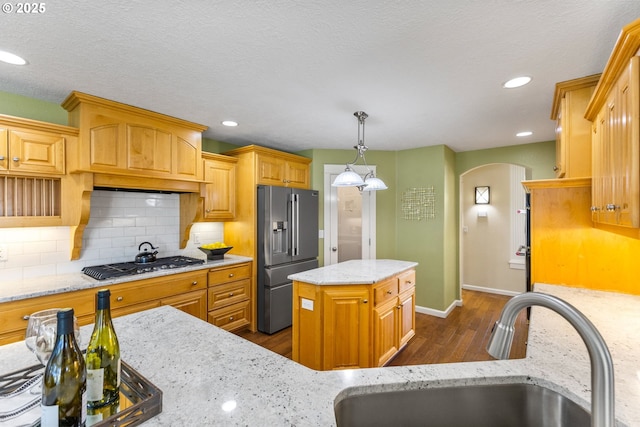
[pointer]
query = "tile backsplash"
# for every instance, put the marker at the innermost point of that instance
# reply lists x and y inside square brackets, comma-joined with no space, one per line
[120,221]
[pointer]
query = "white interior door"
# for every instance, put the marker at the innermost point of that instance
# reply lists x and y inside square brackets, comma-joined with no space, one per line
[349,220]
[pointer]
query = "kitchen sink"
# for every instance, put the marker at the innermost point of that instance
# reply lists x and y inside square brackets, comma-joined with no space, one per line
[494,405]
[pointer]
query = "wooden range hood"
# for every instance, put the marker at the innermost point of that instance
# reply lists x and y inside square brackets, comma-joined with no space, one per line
[121,147]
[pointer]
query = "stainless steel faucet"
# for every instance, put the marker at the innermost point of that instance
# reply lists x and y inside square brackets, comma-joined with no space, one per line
[602,385]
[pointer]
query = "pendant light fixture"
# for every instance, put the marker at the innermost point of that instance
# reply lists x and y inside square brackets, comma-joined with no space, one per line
[349,178]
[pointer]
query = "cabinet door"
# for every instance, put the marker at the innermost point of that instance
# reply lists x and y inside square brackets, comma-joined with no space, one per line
[148,149]
[346,329]
[270,170]
[193,303]
[220,196]
[561,140]
[406,317]
[4,149]
[297,174]
[33,151]
[385,332]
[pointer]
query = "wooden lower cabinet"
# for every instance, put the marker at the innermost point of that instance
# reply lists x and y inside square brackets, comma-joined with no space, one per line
[352,326]
[229,296]
[185,291]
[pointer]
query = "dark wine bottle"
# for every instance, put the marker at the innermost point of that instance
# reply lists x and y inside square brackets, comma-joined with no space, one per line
[103,356]
[64,384]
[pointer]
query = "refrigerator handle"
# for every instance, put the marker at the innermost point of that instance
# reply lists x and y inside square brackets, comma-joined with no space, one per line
[295,226]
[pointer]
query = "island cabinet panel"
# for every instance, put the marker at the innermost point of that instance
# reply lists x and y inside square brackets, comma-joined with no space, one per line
[346,328]
[352,325]
[229,296]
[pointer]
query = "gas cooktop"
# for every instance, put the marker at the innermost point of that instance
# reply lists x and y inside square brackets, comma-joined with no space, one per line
[110,271]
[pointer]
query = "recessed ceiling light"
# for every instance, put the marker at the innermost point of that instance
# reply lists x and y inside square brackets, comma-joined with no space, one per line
[525,133]
[10,58]
[517,82]
[230,123]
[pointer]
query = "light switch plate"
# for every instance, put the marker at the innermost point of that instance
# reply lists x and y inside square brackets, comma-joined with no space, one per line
[3,253]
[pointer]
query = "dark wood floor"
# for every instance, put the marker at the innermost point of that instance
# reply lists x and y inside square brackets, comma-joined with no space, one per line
[461,337]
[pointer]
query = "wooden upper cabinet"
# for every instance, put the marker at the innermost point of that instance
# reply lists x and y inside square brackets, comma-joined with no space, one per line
[282,169]
[614,111]
[573,131]
[120,139]
[220,187]
[29,146]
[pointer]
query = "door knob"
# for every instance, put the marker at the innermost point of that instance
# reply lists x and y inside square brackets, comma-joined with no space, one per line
[334,249]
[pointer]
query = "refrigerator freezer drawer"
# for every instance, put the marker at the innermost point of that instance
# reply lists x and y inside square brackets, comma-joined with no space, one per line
[280,300]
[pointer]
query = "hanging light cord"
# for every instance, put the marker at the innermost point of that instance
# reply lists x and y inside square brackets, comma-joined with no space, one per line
[361,148]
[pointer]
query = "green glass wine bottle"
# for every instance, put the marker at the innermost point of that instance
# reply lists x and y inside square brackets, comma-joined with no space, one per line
[103,356]
[64,384]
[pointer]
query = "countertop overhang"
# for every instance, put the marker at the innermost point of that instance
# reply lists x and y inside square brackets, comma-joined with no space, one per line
[354,272]
[203,370]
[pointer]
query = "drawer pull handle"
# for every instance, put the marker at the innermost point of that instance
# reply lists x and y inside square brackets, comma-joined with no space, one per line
[409,282]
[399,307]
[195,282]
[231,318]
[26,316]
[231,274]
[230,294]
[119,299]
[389,292]
[364,301]
[16,159]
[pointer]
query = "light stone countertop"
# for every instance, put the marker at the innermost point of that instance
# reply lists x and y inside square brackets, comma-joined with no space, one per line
[202,369]
[18,290]
[360,271]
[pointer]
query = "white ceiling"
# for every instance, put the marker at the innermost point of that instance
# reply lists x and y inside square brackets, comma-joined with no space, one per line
[292,73]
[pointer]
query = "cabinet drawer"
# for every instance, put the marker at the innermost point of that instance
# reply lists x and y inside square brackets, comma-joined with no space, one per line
[406,280]
[235,316]
[229,293]
[156,288]
[385,291]
[14,319]
[229,274]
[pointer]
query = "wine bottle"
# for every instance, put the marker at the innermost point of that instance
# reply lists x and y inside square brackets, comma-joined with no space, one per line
[103,356]
[64,384]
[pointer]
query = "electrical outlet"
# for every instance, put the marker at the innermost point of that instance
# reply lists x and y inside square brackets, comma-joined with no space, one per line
[196,238]
[3,253]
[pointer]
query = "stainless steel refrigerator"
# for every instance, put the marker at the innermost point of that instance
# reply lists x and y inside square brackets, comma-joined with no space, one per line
[287,244]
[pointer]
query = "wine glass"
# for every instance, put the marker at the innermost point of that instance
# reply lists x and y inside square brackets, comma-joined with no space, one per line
[33,325]
[46,338]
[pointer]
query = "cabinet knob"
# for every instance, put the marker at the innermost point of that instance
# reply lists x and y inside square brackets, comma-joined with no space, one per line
[195,282]
[611,207]
[16,159]
[555,169]
[26,316]
[207,210]
[231,318]
[399,307]
[364,301]
[594,209]
[231,274]
[119,299]
[1,157]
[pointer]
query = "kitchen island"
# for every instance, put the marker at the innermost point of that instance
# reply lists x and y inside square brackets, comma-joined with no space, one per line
[354,314]
[212,377]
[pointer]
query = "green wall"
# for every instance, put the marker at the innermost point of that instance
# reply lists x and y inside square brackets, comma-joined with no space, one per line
[538,157]
[31,108]
[217,147]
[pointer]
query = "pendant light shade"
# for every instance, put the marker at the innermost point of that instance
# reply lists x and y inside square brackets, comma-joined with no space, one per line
[349,178]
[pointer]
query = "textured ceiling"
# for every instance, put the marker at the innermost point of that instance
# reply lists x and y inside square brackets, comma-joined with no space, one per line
[292,73]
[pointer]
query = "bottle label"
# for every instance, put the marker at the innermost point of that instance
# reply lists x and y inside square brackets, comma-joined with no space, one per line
[49,416]
[95,384]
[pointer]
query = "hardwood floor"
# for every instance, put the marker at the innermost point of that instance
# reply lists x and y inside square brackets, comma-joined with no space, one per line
[461,337]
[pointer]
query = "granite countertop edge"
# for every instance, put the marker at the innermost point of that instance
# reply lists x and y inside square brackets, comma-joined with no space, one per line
[50,285]
[354,272]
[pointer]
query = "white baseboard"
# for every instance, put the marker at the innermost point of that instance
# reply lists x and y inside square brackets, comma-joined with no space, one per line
[439,313]
[491,290]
